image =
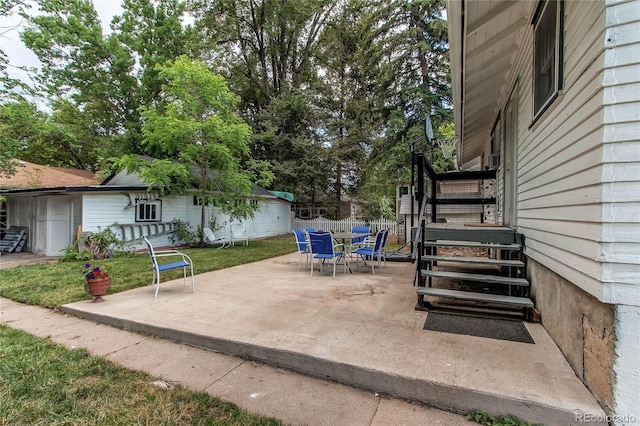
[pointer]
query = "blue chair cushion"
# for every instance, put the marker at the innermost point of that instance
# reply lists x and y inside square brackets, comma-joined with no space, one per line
[172,265]
[327,256]
[365,251]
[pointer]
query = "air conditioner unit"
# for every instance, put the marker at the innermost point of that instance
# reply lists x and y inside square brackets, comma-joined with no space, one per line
[494,161]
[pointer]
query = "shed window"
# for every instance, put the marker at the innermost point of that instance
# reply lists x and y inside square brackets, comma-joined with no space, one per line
[148,211]
[547,49]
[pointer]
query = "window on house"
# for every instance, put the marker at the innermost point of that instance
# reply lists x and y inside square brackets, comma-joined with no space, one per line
[148,211]
[547,50]
[197,201]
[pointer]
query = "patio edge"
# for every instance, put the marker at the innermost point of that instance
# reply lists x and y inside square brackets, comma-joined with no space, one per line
[438,395]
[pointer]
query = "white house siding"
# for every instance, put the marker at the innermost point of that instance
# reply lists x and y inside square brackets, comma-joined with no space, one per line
[621,196]
[560,156]
[579,195]
[273,218]
[51,219]
[19,213]
[621,154]
[102,209]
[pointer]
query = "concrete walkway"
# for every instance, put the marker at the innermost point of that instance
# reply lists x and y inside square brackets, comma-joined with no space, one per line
[11,260]
[357,329]
[293,398]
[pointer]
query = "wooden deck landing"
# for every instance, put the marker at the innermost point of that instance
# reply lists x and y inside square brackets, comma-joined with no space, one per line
[469,232]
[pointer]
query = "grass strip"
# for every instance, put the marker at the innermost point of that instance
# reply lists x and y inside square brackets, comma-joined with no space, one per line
[45,383]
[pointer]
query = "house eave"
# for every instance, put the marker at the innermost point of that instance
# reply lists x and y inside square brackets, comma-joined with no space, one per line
[69,189]
[484,38]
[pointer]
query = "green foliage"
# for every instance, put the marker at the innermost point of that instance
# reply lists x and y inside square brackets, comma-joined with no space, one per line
[45,383]
[97,245]
[9,86]
[184,234]
[382,207]
[19,121]
[200,141]
[487,419]
[335,92]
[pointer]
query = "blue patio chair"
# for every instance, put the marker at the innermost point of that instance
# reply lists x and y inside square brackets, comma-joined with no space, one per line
[383,250]
[357,242]
[323,248]
[310,230]
[184,262]
[371,251]
[303,246]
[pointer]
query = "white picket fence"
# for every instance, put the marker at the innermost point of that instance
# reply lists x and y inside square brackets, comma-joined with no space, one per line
[345,225]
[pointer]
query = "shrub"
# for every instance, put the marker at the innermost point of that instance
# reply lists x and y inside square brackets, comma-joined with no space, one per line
[95,245]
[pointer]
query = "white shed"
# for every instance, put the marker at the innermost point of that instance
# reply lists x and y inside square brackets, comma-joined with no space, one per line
[55,214]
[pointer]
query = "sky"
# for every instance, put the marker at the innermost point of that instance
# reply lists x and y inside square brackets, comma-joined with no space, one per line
[19,55]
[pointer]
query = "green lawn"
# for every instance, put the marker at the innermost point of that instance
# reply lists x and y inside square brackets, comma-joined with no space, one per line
[54,284]
[42,383]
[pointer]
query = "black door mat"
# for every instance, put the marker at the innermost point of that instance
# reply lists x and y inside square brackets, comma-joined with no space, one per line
[492,328]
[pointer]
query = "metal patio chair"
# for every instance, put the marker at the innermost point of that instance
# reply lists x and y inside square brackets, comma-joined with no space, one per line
[372,249]
[303,246]
[357,242]
[213,238]
[239,233]
[323,248]
[184,262]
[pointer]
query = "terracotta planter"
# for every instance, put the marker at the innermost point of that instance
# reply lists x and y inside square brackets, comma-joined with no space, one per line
[97,288]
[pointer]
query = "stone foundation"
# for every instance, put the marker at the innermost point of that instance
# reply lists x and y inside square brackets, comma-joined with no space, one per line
[581,326]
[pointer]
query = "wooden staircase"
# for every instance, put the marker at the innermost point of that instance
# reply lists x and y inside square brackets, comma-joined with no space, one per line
[495,282]
[14,239]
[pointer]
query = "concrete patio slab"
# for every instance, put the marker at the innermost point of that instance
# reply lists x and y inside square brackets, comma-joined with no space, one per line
[358,329]
[274,392]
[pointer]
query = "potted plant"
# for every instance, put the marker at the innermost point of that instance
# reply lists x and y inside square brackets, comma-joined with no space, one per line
[97,281]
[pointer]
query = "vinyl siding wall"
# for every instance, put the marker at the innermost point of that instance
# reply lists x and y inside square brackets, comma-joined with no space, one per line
[103,209]
[100,210]
[578,163]
[621,154]
[273,218]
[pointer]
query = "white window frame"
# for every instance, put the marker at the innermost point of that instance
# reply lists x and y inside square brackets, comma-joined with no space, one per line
[547,59]
[148,211]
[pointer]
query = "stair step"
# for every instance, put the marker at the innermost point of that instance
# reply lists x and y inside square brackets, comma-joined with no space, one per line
[481,260]
[523,302]
[492,279]
[14,239]
[470,244]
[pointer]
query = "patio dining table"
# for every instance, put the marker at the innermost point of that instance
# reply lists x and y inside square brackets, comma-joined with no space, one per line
[344,236]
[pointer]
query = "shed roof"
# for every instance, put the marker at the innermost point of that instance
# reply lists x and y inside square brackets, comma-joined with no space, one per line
[30,175]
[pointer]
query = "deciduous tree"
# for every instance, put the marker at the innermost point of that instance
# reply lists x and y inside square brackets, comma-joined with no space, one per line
[202,141]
